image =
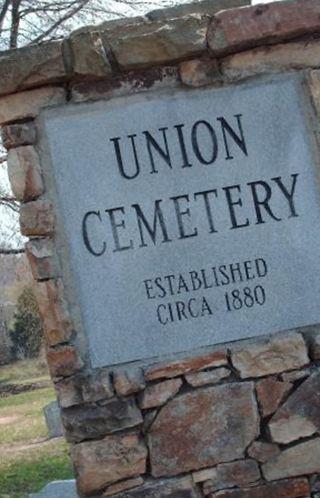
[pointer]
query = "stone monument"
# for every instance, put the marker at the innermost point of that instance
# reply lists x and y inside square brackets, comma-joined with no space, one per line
[168,169]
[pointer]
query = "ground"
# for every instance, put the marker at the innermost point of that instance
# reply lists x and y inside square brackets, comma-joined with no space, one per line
[28,459]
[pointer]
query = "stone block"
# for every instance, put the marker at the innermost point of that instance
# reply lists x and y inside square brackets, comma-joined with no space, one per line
[92,421]
[228,475]
[97,386]
[128,381]
[25,173]
[123,486]
[31,66]
[69,391]
[262,452]
[296,488]
[42,258]
[101,463]
[162,42]
[203,7]
[37,218]
[16,135]
[299,416]
[274,355]
[175,368]
[271,393]
[88,55]
[158,394]
[53,307]
[173,488]
[52,415]
[238,29]
[81,388]
[203,428]
[200,72]
[63,361]
[28,104]
[214,376]
[302,459]
[131,82]
[294,55]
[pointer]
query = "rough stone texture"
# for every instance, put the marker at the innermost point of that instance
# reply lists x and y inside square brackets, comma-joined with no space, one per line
[203,428]
[159,42]
[235,30]
[63,361]
[212,377]
[100,463]
[131,82]
[262,452]
[16,135]
[302,459]
[204,7]
[88,55]
[93,421]
[173,488]
[37,218]
[297,55]
[148,419]
[69,392]
[52,415]
[53,307]
[123,486]
[296,375]
[97,386]
[179,367]
[274,355]
[300,415]
[315,347]
[315,483]
[296,488]
[227,475]
[25,173]
[128,382]
[31,66]
[158,394]
[42,259]
[28,104]
[270,393]
[84,388]
[200,72]
[314,85]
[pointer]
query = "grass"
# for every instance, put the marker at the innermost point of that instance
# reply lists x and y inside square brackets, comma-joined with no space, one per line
[21,416]
[24,372]
[28,470]
[28,460]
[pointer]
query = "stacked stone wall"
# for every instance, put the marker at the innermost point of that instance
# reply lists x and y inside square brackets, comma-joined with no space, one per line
[239,420]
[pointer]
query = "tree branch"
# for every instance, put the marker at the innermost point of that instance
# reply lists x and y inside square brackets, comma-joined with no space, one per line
[11,251]
[60,21]
[3,13]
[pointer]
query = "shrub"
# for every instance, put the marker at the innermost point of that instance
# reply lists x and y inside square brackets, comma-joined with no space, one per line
[27,331]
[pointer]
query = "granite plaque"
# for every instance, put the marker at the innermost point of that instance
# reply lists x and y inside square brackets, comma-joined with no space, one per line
[191,218]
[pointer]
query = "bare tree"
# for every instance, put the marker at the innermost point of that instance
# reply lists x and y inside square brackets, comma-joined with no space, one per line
[25,22]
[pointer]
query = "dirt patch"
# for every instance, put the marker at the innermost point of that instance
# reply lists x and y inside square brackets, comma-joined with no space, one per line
[8,420]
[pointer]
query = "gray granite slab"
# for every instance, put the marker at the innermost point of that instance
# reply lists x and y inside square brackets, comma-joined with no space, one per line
[52,415]
[240,261]
[58,489]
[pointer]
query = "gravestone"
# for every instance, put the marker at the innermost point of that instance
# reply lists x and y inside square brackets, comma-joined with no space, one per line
[52,415]
[58,489]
